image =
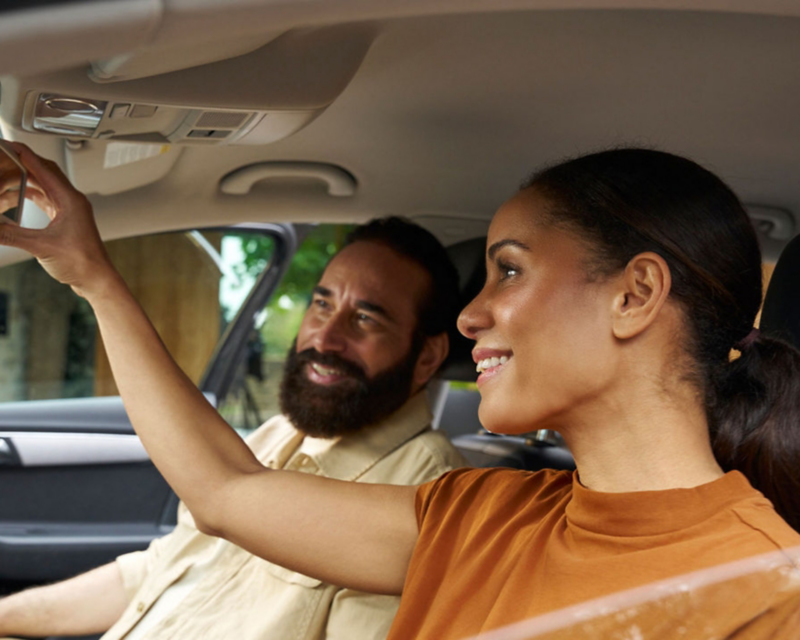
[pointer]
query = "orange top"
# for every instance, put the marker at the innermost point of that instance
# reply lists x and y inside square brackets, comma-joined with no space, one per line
[497,546]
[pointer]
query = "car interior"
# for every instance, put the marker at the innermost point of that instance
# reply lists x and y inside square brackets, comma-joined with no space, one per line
[276,123]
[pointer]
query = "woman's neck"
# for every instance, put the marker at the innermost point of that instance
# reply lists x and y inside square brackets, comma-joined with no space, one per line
[643,438]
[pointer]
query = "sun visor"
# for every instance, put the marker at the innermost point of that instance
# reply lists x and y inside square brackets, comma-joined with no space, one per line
[256,98]
[107,168]
[156,60]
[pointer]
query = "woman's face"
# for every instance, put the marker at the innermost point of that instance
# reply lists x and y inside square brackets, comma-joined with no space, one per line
[543,332]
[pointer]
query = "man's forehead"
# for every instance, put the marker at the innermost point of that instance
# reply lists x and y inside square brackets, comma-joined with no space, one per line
[376,259]
[375,273]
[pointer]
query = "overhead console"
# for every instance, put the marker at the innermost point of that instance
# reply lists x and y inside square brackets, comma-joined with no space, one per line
[256,98]
[79,117]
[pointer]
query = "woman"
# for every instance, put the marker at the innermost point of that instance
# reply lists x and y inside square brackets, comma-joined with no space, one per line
[617,285]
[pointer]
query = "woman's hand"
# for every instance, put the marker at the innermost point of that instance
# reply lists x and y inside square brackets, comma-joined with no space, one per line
[10,178]
[69,248]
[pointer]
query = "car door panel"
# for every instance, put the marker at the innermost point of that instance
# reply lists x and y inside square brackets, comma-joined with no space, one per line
[78,488]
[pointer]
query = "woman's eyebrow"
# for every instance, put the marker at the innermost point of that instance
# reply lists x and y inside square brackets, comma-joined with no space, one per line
[504,243]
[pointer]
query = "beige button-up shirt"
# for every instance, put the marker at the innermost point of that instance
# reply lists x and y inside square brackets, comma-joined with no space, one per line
[238,596]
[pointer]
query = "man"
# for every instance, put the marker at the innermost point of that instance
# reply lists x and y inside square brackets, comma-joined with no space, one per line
[354,408]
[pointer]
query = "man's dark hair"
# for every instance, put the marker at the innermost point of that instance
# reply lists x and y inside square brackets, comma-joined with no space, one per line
[440,308]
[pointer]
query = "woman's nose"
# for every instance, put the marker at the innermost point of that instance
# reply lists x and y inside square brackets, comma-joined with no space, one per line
[474,317]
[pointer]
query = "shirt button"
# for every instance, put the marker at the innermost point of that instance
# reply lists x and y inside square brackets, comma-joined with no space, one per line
[140,607]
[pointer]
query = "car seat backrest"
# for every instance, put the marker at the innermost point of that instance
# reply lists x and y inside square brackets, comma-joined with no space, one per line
[467,256]
[518,452]
[459,416]
[780,316]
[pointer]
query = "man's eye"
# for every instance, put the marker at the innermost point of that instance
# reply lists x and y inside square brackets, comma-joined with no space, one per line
[364,318]
[320,303]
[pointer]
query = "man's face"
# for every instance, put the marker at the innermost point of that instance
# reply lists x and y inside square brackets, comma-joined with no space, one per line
[354,358]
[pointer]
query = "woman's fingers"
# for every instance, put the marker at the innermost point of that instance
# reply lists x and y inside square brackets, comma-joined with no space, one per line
[48,176]
[9,182]
[8,200]
[52,192]
[13,235]
[42,201]
[69,248]
[12,183]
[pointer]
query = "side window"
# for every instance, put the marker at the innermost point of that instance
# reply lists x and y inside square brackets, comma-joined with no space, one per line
[253,394]
[191,284]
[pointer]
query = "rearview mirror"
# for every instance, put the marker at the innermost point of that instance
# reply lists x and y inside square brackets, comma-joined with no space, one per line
[13,179]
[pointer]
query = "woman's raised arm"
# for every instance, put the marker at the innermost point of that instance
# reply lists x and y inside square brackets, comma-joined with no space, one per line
[355,535]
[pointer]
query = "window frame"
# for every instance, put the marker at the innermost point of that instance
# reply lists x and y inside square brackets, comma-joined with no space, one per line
[230,349]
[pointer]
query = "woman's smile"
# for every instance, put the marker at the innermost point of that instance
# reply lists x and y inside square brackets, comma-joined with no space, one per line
[489,362]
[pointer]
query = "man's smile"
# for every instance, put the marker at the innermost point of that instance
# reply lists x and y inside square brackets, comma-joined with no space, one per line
[325,375]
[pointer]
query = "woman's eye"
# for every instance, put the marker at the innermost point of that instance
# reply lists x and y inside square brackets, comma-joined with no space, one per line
[507,270]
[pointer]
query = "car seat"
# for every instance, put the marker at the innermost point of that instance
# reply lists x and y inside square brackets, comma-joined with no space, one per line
[780,316]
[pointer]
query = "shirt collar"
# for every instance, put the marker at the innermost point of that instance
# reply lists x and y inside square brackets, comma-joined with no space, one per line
[647,513]
[353,455]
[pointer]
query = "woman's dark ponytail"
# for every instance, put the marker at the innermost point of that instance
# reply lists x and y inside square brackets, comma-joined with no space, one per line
[628,201]
[753,407]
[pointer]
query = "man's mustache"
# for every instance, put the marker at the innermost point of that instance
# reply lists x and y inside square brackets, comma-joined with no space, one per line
[331,361]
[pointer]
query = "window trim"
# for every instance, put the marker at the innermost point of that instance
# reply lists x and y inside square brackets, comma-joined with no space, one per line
[225,359]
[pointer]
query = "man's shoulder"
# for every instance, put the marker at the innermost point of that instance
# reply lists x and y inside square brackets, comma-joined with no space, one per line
[438,445]
[421,458]
[275,432]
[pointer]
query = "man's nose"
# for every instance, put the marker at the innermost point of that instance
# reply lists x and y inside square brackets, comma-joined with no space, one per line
[331,335]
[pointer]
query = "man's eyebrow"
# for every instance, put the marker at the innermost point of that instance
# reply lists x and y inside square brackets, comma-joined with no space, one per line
[323,291]
[505,243]
[374,308]
[365,305]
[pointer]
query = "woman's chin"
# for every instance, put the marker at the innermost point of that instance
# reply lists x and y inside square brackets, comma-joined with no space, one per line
[501,421]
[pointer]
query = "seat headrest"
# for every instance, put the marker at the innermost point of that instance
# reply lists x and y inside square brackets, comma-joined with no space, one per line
[468,258]
[780,316]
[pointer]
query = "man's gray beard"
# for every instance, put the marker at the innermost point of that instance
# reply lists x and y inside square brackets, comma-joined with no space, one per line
[347,406]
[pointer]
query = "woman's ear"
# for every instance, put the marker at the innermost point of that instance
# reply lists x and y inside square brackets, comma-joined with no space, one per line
[645,287]
[434,351]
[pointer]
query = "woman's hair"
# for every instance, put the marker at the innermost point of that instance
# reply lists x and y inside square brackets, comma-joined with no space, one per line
[623,202]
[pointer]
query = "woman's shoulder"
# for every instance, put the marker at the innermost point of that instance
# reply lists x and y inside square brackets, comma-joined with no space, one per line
[504,476]
[498,484]
[758,514]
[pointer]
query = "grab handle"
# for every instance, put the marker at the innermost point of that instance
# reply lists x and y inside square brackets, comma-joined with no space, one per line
[339,182]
